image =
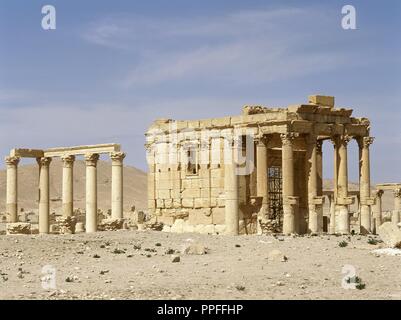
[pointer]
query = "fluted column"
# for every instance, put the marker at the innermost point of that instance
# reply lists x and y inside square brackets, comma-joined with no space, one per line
[68,185]
[290,202]
[117,184]
[12,188]
[231,190]
[343,201]
[262,182]
[377,209]
[395,218]
[314,202]
[44,194]
[364,183]
[91,191]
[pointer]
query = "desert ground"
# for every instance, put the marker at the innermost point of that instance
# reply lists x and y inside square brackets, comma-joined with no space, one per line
[139,265]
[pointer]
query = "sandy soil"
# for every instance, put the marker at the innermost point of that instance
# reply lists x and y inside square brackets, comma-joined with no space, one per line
[90,267]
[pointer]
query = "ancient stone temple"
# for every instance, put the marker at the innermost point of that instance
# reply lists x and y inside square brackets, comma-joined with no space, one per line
[260,171]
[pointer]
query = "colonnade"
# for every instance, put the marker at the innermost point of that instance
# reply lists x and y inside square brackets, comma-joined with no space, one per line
[340,220]
[91,160]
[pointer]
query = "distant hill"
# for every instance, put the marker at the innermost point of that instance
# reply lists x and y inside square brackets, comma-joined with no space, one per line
[135,186]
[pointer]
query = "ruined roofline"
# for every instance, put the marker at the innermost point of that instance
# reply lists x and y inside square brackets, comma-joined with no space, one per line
[319,109]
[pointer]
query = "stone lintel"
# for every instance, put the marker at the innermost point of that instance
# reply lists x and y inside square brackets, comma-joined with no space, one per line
[82,150]
[27,153]
[388,186]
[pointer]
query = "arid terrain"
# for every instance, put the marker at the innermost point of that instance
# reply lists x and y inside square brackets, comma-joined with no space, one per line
[138,265]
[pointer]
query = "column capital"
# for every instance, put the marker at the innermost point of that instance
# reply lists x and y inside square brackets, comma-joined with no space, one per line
[117,157]
[91,159]
[378,193]
[68,161]
[288,137]
[365,142]
[12,161]
[397,193]
[261,140]
[44,161]
[319,145]
[340,140]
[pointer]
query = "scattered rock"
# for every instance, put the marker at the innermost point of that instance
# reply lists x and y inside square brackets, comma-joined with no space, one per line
[118,251]
[111,224]
[195,248]
[79,227]
[18,228]
[276,256]
[66,225]
[387,251]
[390,234]
[175,258]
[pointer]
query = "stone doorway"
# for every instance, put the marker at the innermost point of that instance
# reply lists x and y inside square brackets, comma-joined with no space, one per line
[275,194]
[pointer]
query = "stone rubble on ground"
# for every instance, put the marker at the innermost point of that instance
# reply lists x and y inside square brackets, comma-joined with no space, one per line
[66,225]
[18,228]
[390,234]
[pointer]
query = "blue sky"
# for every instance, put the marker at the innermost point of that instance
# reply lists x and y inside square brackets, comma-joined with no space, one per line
[112,67]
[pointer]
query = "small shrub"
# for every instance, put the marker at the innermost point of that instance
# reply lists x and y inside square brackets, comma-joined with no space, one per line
[343,244]
[372,241]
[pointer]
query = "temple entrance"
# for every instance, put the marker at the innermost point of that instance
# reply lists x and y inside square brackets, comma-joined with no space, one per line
[275,194]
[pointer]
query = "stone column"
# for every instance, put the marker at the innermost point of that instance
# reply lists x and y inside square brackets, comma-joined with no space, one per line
[231,191]
[12,188]
[262,182]
[151,183]
[44,194]
[332,214]
[290,202]
[395,218]
[343,201]
[68,182]
[319,167]
[377,209]
[117,184]
[91,191]
[364,183]
[314,202]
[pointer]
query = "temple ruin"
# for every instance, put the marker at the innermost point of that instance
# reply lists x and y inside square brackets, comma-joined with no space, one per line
[258,172]
[67,155]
